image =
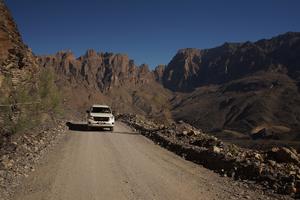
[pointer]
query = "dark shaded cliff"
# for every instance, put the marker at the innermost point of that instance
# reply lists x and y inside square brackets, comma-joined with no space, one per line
[248,87]
[191,68]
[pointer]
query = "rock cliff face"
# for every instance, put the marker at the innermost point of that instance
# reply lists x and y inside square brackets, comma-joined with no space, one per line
[28,95]
[103,71]
[183,70]
[191,68]
[246,87]
[9,36]
[159,72]
[16,59]
[18,70]
[108,78]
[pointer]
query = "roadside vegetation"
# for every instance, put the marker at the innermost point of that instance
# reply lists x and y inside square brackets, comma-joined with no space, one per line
[30,103]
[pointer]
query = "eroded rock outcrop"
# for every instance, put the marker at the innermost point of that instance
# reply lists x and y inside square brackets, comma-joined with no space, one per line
[99,70]
[16,59]
[191,68]
[108,78]
[239,87]
[159,72]
[18,69]
[20,95]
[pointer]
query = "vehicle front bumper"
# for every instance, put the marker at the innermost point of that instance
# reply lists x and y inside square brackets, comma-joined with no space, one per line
[102,124]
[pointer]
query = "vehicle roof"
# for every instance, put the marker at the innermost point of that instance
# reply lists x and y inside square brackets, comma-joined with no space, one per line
[100,106]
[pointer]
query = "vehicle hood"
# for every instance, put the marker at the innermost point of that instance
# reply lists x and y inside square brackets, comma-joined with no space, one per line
[101,115]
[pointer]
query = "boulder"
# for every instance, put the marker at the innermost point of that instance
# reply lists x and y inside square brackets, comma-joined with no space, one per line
[216,149]
[283,155]
[258,156]
[184,132]
[290,188]
[272,163]
[297,186]
[263,134]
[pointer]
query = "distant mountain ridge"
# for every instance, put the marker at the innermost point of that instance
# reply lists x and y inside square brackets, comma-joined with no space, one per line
[102,70]
[246,87]
[191,68]
[108,78]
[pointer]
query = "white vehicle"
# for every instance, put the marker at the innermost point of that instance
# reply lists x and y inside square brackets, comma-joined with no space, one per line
[100,116]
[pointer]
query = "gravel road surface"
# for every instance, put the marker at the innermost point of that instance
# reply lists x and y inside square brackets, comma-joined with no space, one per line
[94,165]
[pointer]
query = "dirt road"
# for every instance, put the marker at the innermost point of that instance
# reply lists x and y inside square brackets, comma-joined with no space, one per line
[123,165]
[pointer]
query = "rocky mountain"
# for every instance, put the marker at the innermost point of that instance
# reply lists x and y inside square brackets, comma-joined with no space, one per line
[191,68]
[17,69]
[23,88]
[108,78]
[245,89]
[16,59]
[238,91]
[103,71]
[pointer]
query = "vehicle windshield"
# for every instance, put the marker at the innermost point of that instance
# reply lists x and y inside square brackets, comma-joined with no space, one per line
[100,110]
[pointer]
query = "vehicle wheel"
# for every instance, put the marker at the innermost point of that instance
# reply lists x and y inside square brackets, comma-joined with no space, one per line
[112,129]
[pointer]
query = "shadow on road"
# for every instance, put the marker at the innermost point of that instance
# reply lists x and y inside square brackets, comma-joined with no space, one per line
[77,126]
[126,132]
[80,126]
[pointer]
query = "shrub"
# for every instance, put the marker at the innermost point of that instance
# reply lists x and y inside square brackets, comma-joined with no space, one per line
[50,95]
[26,103]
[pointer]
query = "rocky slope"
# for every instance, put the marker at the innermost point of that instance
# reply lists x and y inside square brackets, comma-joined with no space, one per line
[246,90]
[28,93]
[108,78]
[24,105]
[248,105]
[249,88]
[276,169]
[191,68]
[16,59]
[101,71]
[20,155]
[18,70]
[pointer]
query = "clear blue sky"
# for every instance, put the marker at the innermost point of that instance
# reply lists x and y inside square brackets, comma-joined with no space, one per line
[149,31]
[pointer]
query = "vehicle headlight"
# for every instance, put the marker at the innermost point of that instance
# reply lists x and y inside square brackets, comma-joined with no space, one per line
[112,118]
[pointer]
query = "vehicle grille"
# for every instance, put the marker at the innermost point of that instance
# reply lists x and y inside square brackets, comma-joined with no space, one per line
[102,119]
